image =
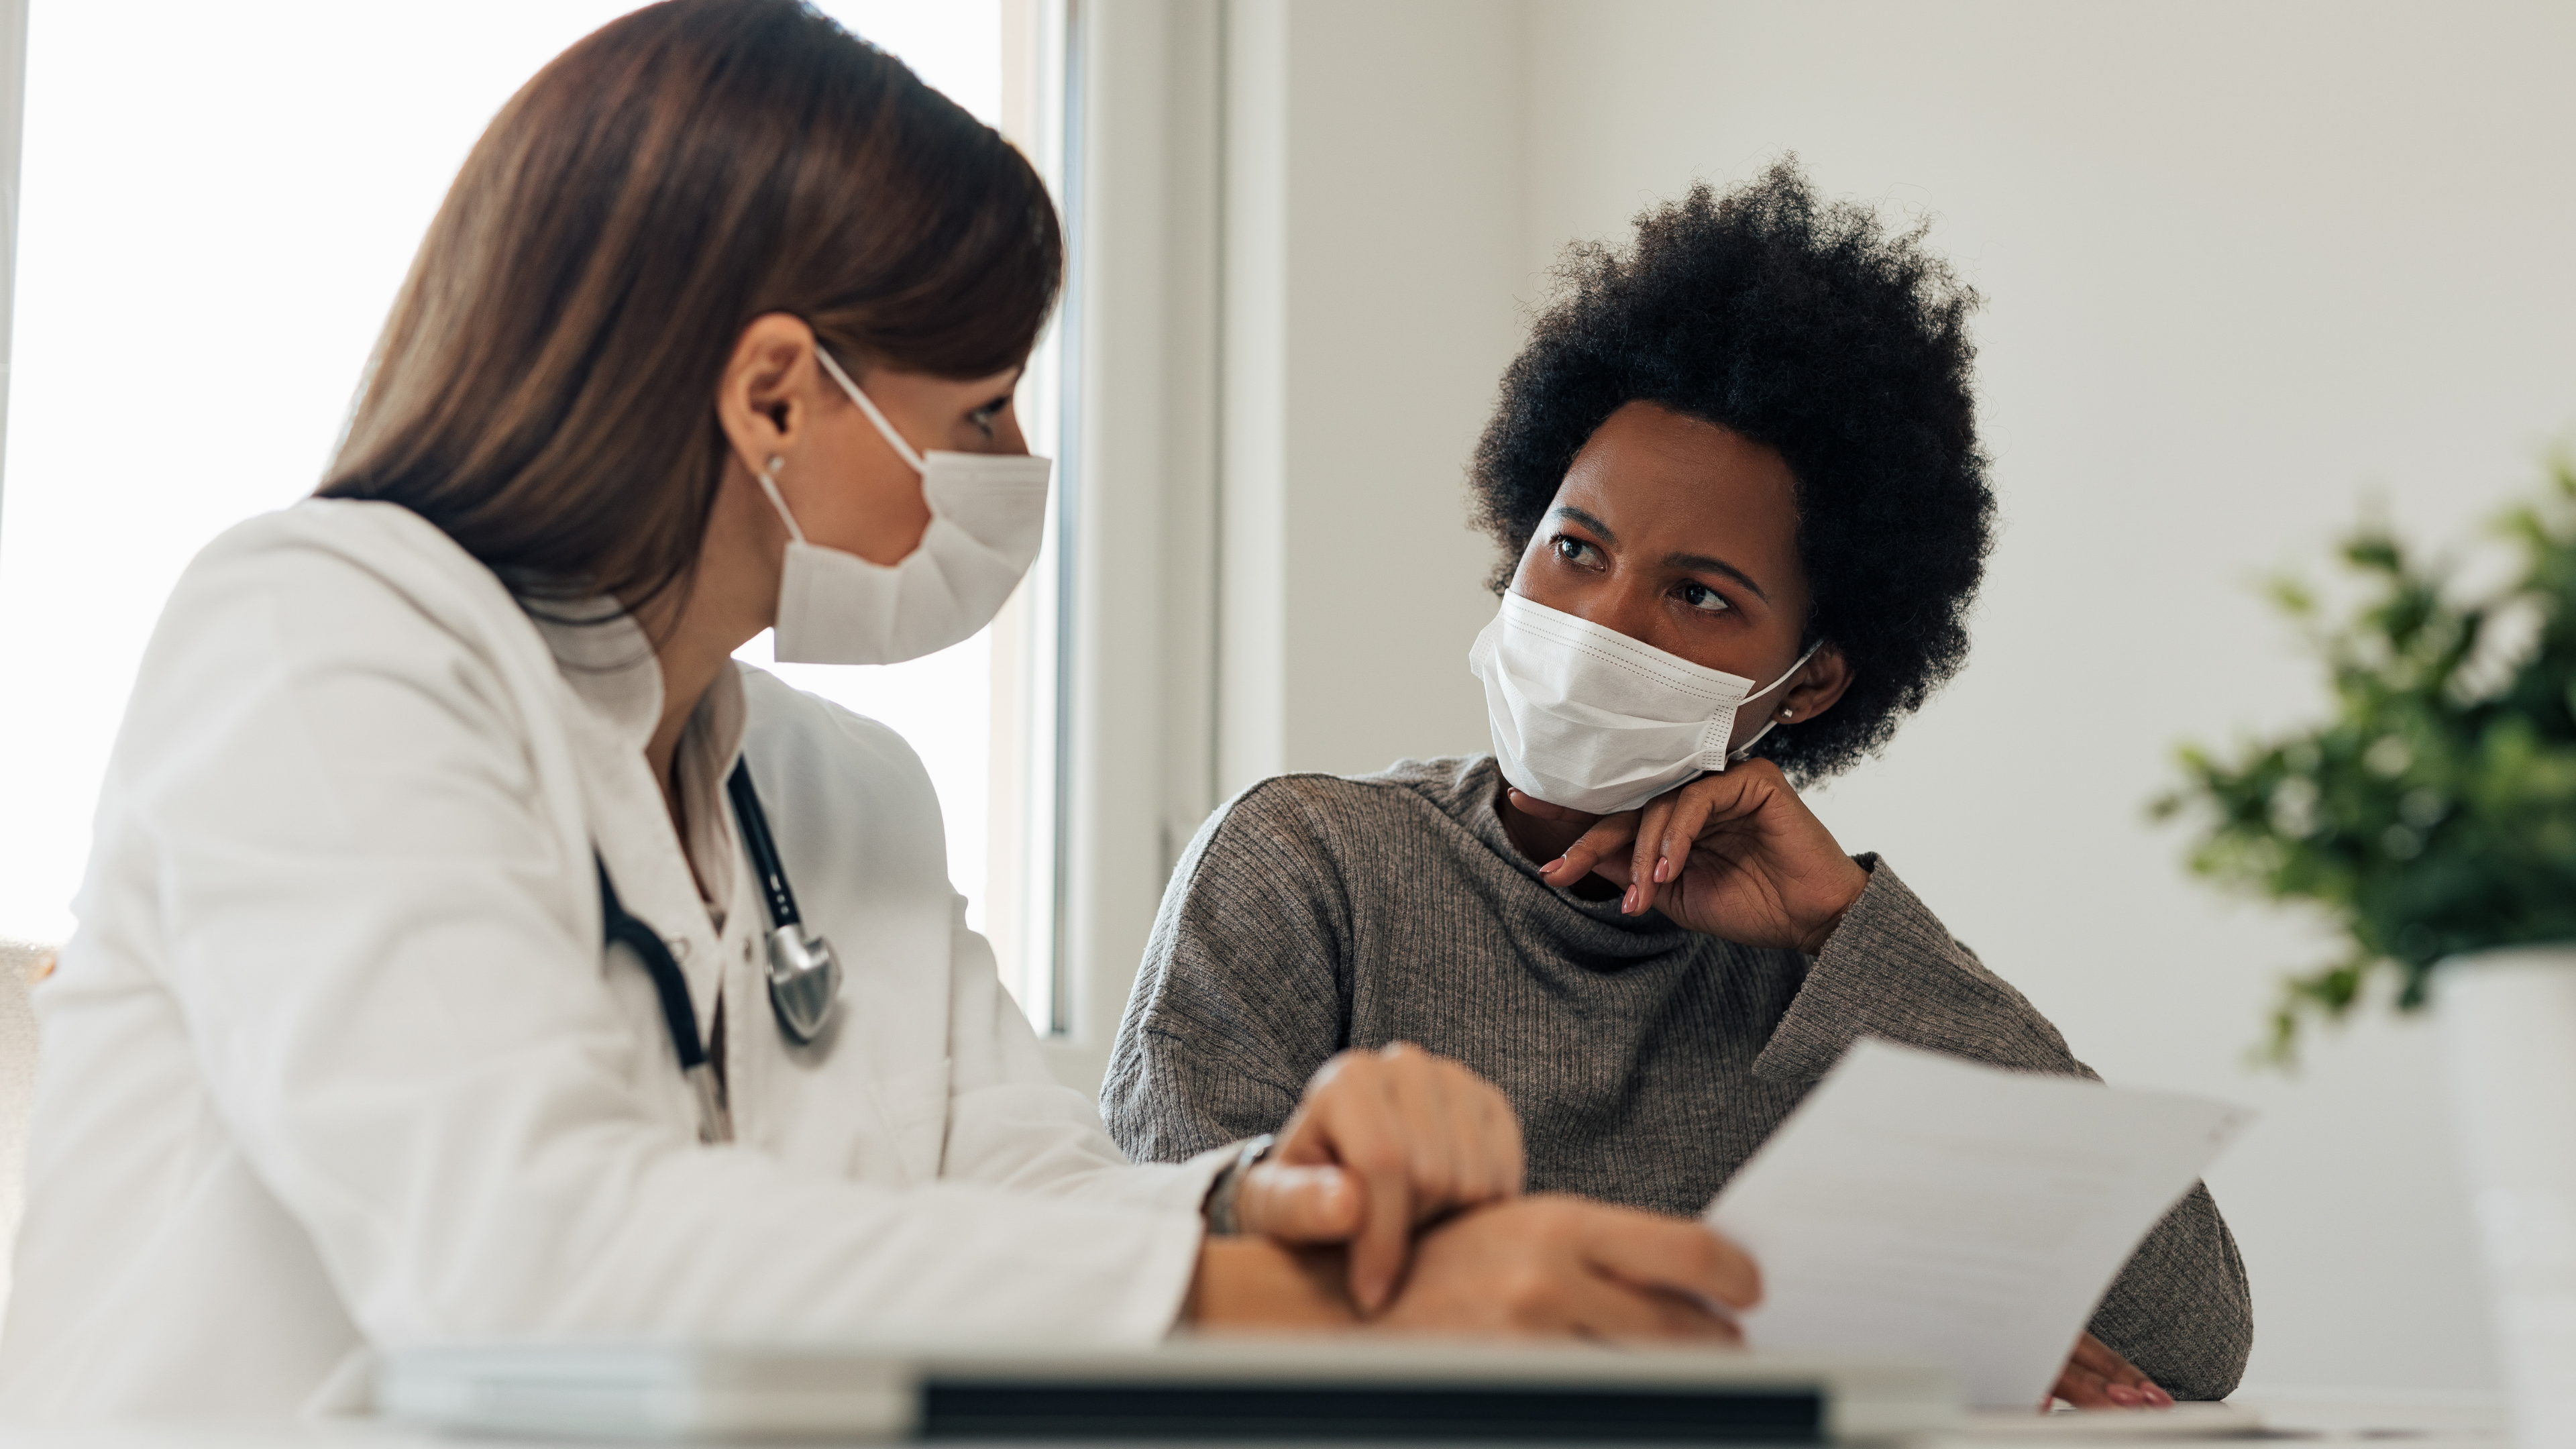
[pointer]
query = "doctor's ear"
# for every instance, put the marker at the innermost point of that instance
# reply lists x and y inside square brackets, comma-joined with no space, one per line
[765,399]
[1817,686]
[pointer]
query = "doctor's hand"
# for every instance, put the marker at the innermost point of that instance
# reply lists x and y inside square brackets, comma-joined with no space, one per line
[1552,1264]
[1736,855]
[1385,1141]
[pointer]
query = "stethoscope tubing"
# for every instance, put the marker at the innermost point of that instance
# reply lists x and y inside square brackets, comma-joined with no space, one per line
[763,850]
[679,1014]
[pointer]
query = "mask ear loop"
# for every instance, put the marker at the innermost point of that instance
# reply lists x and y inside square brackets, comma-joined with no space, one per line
[885,429]
[1744,751]
[769,485]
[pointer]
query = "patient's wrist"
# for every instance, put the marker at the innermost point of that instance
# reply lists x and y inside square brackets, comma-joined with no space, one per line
[1823,930]
[1253,1282]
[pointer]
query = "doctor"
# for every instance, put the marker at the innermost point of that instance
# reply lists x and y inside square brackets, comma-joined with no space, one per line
[470,948]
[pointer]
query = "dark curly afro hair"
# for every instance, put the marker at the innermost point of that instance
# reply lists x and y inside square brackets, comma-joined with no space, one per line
[1805,325]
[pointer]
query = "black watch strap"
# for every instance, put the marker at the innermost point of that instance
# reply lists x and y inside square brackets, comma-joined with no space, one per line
[1222,1220]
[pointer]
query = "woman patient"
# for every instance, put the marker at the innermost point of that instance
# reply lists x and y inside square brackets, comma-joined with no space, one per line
[1736,481]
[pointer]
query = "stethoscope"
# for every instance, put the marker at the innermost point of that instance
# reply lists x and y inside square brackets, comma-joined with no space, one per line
[804,975]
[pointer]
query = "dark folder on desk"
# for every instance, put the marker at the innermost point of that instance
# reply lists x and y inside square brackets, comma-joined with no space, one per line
[1199,1389]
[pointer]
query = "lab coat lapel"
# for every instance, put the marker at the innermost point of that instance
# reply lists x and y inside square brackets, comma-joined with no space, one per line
[834,838]
[613,699]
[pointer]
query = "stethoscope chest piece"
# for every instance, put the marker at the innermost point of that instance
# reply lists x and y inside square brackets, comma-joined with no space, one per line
[804,981]
[804,975]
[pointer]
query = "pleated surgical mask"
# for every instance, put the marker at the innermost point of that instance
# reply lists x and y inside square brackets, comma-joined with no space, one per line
[987,515]
[1590,719]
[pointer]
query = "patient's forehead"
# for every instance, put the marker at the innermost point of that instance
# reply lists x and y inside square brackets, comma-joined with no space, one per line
[1670,483]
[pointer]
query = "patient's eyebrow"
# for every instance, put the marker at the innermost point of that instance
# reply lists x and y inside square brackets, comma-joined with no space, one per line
[1702,563]
[1568,510]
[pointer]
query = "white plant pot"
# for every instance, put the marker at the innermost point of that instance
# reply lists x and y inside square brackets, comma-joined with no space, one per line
[2508,1023]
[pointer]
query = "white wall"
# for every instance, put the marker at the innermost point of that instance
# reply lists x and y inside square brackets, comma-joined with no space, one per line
[1373,196]
[2243,265]
[1143,657]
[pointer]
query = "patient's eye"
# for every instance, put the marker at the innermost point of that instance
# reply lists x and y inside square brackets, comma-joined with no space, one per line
[1574,550]
[1701,597]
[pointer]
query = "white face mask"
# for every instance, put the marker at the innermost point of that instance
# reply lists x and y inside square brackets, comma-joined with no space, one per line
[987,513]
[1590,719]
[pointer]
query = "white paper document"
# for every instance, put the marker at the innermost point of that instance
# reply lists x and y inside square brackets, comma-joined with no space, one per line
[1920,1205]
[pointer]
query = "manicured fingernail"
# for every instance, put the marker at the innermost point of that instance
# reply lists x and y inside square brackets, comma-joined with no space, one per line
[1663,870]
[1628,902]
[2157,1396]
[2124,1395]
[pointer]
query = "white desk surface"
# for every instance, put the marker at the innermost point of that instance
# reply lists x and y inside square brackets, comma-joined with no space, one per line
[2413,1426]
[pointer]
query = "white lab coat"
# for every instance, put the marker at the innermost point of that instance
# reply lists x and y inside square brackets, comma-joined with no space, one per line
[336,1056]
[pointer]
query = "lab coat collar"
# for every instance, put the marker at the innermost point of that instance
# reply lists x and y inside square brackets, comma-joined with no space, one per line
[608,662]
[608,665]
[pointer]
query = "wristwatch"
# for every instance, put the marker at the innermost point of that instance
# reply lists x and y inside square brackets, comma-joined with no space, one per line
[1221,1219]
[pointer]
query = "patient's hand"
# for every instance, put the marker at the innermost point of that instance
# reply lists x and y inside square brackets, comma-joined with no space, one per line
[2097,1378]
[1385,1141]
[1552,1265]
[1736,855]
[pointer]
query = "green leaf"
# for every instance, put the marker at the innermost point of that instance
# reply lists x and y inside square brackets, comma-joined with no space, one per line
[2422,821]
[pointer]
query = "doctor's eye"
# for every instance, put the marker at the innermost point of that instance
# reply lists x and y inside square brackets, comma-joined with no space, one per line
[1705,599]
[985,416]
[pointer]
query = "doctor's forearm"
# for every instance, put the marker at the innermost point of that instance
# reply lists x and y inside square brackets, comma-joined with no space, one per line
[1253,1282]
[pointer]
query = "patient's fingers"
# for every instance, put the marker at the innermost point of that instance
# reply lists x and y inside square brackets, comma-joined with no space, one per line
[2081,1387]
[1532,805]
[1602,843]
[1602,836]
[1678,1255]
[2122,1385]
[1607,1308]
[1298,1204]
[1669,850]
[1642,875]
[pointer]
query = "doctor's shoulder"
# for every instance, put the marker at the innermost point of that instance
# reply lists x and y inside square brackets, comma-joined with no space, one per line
[322,548]
[330,579]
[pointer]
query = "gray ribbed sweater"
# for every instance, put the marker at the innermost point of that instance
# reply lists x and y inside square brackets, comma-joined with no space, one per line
[1315,913]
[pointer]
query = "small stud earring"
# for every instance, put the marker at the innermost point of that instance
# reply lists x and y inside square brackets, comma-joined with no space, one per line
[776,462]
[1786,712]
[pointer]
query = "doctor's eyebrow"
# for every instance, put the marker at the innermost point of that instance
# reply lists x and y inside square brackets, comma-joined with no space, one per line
[1009,390]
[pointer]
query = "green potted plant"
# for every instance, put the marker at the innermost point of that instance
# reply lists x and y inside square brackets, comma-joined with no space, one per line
[2432,818]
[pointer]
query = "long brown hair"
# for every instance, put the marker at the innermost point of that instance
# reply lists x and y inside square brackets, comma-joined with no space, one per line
[544,390]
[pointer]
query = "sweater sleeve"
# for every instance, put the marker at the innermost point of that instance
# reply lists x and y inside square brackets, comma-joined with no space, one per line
[1245,987]
[2181,1309]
